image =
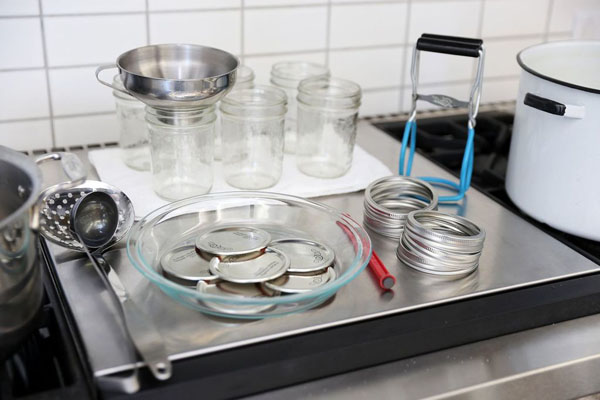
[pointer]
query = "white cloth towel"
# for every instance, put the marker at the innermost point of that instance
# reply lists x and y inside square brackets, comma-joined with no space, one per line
[138,185]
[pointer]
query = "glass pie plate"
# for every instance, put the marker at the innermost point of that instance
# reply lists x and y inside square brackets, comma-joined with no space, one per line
[283,216]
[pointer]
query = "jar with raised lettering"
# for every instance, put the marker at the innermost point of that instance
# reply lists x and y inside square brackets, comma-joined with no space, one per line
[253,136]
[133,132]
[182,150]
[286,76]
[327,116]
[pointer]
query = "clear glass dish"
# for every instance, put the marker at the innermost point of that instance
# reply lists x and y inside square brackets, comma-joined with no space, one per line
[281,215]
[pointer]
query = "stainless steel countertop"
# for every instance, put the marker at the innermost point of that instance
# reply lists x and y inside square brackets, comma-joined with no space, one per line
[549,362]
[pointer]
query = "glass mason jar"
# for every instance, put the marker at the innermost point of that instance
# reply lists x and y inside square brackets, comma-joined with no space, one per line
[244,79]
[181,146]
[253,136]
[327,114]
[287,75]
[133,132]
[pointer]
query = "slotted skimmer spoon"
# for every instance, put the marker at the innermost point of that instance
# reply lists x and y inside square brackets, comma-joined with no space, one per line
[58,207]
[94,221]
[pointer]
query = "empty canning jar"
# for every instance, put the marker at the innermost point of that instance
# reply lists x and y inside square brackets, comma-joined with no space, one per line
[133,132]
[244,79]
[181,144]
[327,114]
[287,76]
[252,127]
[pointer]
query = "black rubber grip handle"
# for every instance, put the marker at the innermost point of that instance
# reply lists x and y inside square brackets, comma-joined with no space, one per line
[544,104]
[478,42]
[458,46]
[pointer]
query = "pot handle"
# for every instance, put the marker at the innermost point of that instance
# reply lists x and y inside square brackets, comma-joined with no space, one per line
[554,107]
[73,169]
[102,68]
[71,165]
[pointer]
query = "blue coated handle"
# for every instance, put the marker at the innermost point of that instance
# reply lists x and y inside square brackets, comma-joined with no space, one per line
[409,139]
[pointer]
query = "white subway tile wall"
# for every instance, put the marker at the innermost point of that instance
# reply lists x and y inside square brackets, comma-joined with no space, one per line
[204,27]
[262,64]
[76,91]
[380,102]
[24,95]
[458,18]
[91,39]
[563,11]
[367,25]
[85,129]
[49,50]
[21,43]
[500,55]
[514,17]
[273,30]
[27,135]
[19,7]
[371,68]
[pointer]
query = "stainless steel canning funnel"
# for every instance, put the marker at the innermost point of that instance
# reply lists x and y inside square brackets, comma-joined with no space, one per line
[175,76]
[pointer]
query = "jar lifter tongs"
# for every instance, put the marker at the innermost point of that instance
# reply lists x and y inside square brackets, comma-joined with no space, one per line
[457,46]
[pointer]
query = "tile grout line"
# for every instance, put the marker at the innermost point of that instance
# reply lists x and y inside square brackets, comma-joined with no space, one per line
[147,15]
[548,20]
[368,47]
[85,114]
[286,53]
[21,69]
[27,119]
[328,33]
[352,3]
[47,73]
[242,29]
[479,35]
[65,116]
[17,16]
[405,52]
[342,3]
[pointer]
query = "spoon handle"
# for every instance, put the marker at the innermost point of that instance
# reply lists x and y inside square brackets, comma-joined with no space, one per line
[142,332]
[144,335]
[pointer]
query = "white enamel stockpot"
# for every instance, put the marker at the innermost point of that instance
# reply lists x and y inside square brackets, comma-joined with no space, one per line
[554,163]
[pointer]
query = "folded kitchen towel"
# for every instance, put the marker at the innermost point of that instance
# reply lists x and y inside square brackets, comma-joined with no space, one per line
[138,185]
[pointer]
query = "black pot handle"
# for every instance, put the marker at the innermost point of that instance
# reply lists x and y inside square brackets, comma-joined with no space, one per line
[458,46]
[553,107]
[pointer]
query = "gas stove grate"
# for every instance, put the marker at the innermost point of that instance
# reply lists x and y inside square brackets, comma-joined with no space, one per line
[47,365]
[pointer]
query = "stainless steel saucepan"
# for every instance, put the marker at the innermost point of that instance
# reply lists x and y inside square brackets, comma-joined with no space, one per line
[20,275]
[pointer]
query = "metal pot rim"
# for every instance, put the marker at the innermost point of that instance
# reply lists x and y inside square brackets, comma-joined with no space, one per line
[33,172]
[563,43]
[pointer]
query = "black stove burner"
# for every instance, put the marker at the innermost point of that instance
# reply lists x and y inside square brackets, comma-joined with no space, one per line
[443,139]
[48,363]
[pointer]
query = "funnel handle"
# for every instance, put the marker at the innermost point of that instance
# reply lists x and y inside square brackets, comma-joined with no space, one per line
[102,68]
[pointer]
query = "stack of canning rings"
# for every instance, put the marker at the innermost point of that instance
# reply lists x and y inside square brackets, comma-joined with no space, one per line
[440,244]
[389,200]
